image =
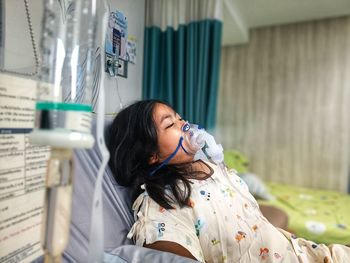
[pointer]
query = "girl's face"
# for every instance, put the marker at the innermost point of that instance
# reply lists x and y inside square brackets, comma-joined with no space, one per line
[168,125]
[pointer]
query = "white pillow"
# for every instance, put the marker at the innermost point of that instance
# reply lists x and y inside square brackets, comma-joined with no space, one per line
[256,186]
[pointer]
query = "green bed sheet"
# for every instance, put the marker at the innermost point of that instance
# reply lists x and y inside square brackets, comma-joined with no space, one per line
[318,215]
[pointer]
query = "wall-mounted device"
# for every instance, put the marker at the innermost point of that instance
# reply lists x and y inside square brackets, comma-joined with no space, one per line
[122,69]
[115,46]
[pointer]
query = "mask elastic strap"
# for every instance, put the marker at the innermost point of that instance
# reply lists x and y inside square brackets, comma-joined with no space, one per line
[167,160]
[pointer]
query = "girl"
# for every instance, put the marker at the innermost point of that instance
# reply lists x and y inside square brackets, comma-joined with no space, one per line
[191,208]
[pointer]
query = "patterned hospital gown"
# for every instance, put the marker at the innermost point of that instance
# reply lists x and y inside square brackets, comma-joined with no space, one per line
[224,224]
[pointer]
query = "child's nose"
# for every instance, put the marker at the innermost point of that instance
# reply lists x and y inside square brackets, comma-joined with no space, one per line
[179,124]
[182,122]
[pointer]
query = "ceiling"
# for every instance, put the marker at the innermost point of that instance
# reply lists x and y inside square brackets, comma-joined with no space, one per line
[242,15]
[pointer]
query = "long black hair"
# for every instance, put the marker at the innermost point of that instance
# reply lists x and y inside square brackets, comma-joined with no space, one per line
[132,142]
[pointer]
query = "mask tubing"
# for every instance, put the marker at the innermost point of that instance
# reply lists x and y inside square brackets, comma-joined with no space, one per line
[167,160]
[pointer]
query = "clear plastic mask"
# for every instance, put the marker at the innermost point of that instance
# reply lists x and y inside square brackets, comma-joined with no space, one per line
[193,138]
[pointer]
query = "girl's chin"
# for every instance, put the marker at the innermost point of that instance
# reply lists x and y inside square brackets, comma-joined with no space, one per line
[188,159]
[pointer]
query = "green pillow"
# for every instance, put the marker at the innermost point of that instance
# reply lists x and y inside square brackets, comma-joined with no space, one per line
[239,162]
[236,160]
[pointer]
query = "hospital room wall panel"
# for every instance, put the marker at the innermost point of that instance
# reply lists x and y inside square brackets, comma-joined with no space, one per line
[283,101]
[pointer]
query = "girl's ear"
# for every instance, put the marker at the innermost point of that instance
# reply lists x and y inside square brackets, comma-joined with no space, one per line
[153,159]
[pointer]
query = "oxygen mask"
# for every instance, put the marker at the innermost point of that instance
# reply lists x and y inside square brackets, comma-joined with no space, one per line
[190,141]
[193,138]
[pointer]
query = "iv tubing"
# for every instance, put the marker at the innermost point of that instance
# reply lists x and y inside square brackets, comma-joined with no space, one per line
[96,239]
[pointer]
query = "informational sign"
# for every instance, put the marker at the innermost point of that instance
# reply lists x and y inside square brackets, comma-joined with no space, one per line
[131,49]
[122,26]
[22,173]
[116,44]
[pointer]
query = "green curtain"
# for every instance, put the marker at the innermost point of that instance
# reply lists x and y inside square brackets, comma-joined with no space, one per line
[181,67]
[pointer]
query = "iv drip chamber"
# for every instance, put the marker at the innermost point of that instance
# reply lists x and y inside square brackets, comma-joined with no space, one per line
[67,75]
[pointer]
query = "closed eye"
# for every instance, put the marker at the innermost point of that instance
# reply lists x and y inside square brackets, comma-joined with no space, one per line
[171,125]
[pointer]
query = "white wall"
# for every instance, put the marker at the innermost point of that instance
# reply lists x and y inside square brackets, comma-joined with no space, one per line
[284,102]
[131,88]
[18,54]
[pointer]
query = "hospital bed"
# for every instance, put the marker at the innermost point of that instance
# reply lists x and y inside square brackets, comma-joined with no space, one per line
[118,217]
[322,216]
[319,215]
